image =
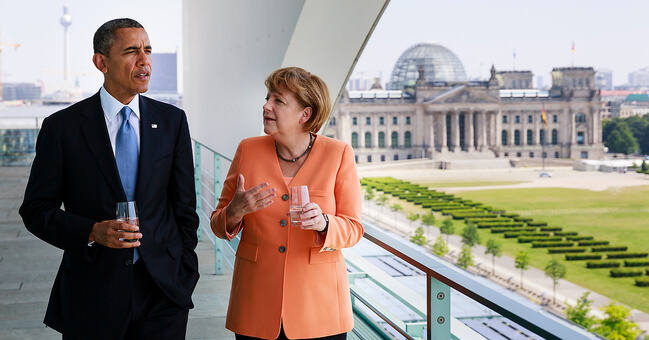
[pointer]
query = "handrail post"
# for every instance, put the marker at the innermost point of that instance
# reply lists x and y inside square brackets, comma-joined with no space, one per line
[198,187]
[439,309]
[218,255]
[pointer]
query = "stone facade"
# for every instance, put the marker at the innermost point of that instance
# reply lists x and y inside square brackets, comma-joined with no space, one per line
[477,119]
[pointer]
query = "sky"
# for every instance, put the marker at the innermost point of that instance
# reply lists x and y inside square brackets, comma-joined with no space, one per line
[606,35]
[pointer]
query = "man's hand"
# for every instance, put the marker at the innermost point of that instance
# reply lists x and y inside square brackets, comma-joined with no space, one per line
[115,234]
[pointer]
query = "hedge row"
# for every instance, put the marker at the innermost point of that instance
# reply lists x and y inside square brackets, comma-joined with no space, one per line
[603,264]
[551,244]
[636,263]
[608,248]
[625,255]
[551,229]
[484,225]
[537,224]
[501,230]
[526,239]
[579,238]
[626,272]
[524,233]
[642,281]
[563,250]
[566,233]
[593,243]
[579,257]
[486,219]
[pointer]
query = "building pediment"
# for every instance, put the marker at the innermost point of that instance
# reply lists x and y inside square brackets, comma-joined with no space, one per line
[460,94]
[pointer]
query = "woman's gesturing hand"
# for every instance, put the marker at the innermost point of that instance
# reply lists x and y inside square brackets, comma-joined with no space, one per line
[248,201]
[312,218]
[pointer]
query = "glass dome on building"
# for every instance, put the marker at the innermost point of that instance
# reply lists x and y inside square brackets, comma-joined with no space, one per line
[440,64]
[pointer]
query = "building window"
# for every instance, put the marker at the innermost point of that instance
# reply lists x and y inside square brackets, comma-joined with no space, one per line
[382,158]
[506,154]
[368,140]
[504,137]
[407,140]
[580,118]
[369,158]
[556,154]
[368,121]
[395,140]
[531,154]
[555,119]
[517,137]
[505,119]
[518,119]
[530,139]
[555,137]
[394,120]
[408,120]
[354,140]
[409,156]
[542,137]
[396,157]
[544,155]
[580,138]
[381,121]
[584,154]
[332,121]
[356,159]
[354,121]
[518,154]
[381,140]
[529,119]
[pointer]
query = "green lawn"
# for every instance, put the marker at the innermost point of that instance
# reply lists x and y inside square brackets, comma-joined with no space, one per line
[467,184]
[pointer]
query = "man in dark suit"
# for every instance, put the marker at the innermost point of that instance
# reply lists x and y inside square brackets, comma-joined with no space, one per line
[117,146]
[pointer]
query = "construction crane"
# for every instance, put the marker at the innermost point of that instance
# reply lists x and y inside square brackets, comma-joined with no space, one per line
[9,45]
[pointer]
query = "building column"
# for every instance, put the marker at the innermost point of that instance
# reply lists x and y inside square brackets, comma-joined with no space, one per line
[482,132]
[468,131]
[455,132]
[441,127]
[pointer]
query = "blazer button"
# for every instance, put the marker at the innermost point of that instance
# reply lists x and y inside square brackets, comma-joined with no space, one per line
[285,197]
[128,262]
[282,249]
[282,223]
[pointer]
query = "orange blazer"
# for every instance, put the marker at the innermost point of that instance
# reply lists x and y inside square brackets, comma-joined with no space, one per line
[283,274]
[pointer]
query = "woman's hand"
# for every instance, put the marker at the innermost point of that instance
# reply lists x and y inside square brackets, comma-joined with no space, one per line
[245,202]
[312,218]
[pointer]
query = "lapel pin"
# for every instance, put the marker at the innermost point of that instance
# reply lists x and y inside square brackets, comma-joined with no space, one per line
[154,126]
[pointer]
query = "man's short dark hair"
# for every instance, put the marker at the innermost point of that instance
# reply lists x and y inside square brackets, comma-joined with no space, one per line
[106,34]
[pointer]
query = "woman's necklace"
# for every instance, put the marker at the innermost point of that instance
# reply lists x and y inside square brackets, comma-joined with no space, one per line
[298,157]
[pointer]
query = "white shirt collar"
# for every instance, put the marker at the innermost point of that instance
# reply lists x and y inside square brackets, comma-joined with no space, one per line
[112,106]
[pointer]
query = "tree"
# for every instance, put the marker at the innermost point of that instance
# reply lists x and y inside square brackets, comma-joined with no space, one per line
[621,140]
[395,208]
[369,194]
[381,201]
[644,166]
[447,228]
[522,263]
[494,248]
[644,141]
[465,259]
[412,217]
[556,271]
[428,220]
[439,247]
[470,235]
[615,324]
[579,312]
[418,238]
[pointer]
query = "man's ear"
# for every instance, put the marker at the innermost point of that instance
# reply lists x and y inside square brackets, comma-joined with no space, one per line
[100,62]
[306,114]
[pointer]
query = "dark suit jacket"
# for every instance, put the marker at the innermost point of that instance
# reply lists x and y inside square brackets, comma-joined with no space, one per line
[75,166]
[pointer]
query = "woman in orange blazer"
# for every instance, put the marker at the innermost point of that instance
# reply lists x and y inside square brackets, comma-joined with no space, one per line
[291,282]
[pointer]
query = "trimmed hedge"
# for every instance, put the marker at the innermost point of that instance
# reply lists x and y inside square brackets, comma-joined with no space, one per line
[483,225]
[510,215]
[524,233]
[636,263]
[501,230]
[529,239]
[626,272]
[579,257]
[625,255]
[555,229]
[579,238]
[563,250]
[642,281]
[608,248]
[523,219]
[566,233]
[551,244]
[593,243]
[603,264]
[537,224]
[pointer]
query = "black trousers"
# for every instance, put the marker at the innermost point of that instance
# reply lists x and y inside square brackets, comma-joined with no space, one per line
[282,336]
[152,314]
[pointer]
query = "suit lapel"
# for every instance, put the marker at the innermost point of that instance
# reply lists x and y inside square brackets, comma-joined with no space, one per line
[149,137]
[95,133]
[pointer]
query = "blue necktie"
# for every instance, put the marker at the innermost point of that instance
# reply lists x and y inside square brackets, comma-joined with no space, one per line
[126,156]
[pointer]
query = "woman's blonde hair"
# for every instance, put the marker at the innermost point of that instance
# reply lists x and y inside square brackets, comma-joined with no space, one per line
[309,90]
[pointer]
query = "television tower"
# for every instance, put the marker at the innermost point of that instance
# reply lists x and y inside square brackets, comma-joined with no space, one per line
[66,20]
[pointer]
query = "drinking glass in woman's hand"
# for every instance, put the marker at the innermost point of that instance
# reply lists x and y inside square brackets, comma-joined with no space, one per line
[299,197]
[127,212]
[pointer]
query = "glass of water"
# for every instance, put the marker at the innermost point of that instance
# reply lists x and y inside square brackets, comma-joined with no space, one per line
[299,197]
[127,212]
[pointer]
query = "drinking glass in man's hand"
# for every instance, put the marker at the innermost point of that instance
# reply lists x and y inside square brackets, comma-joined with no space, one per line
[299,197]
[127,212]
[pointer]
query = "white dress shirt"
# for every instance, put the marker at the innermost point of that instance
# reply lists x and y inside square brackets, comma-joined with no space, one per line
[111,107]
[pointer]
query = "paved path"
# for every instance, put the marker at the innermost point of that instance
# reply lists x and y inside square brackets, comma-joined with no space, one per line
[28,267]
[538,287]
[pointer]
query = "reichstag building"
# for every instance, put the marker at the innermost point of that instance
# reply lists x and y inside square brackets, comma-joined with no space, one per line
[430,110]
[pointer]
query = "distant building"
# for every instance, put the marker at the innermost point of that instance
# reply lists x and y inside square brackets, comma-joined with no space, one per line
[639,78]
[438,115]
[634,105]
[21,91]
[164,77]
[612,101]
[604,79]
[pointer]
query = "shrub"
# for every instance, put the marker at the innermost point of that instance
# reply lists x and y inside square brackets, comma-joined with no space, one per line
[593,243]
[625,255]
[566,233]
[537,224]
[579,257]
[608,248]
[579,238]
[524,233]
[626,272]
[636,263]
[551,244]
[563,250]
[603,264]
[642,281]
[528,239]
[522,219]
[551,229]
